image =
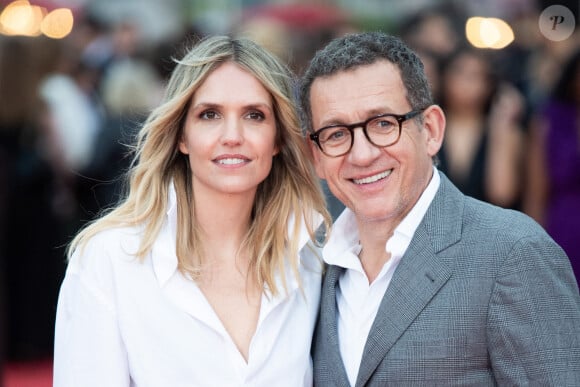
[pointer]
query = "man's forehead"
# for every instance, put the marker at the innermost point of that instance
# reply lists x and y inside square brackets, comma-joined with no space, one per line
[359,82]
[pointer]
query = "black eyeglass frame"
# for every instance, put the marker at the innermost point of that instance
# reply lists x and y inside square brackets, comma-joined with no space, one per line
[363,125]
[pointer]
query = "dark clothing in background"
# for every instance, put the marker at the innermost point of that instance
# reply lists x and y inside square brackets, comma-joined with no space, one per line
[473,184]
[563,162]
[31,250]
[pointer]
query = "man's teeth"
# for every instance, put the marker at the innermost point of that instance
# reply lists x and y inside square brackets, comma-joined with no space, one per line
[230,161]
[372,179]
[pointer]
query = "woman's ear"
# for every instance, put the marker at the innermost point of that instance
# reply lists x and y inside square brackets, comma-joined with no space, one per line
[182,145]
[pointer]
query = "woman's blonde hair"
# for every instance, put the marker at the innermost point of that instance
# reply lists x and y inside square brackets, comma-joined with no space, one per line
[290,191]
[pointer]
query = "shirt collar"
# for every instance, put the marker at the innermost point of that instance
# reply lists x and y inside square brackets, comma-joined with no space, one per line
[399,242]
[164,256]
[343,242]
[344,238]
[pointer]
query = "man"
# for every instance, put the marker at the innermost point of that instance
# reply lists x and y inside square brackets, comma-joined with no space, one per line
[425,286]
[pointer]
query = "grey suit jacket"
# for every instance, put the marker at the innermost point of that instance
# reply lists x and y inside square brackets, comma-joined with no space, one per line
[482,297]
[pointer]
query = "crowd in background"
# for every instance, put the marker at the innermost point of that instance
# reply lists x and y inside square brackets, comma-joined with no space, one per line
[69,110]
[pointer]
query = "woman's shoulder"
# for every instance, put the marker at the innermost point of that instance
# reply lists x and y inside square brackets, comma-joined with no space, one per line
[115,238]
[105,248]
[101,267]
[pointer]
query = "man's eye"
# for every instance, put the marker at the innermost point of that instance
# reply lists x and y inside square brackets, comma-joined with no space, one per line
[208,115]
[383,124]
[336,135]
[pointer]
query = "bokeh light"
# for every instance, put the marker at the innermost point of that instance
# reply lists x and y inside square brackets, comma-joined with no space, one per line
[490,32]
[58,23]
[22,18]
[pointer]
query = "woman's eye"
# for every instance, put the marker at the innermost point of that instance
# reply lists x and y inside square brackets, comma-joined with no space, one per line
[259,116]
[208,115]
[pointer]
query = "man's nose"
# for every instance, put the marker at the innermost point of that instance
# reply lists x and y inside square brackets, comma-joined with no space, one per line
[362,151]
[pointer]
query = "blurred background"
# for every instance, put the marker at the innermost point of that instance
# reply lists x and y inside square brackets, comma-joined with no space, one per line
[78,76]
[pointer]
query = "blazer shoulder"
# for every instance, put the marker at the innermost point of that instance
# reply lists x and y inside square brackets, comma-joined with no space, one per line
[498,220]
[456,217]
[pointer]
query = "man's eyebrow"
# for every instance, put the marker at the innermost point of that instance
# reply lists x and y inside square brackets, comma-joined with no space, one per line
[335,121]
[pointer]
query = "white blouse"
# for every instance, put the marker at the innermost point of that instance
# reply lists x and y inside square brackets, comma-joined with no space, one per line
[125,322]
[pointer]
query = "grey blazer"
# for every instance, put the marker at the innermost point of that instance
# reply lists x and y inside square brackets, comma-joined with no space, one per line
[482,297]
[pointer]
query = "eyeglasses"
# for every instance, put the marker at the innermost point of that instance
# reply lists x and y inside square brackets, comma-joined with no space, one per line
[381,131]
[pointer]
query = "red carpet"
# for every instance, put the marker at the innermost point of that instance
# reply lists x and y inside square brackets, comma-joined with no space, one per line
[28,374]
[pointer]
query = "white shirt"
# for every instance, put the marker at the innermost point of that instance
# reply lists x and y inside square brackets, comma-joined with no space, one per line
[357,301]
[123,322]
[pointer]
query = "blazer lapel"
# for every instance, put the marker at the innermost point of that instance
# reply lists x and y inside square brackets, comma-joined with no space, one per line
[327,342]
[419,276]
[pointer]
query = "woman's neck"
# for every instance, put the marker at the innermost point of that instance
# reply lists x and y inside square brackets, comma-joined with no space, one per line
[227,280]
[224,221]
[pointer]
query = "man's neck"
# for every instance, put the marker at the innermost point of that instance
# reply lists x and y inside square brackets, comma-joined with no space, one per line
[373,239]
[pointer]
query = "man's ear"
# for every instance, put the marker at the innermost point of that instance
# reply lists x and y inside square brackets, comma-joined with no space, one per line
[434,125]
[316,158]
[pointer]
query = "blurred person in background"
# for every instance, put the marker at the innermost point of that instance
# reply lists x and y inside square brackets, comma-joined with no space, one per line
[483,147]
[433,29]
[34,197]
[71,95]
[431,63]
[103,87]
[129,89]
[294,31]
[433,33]
[207,272]
[545,58]
[553,174]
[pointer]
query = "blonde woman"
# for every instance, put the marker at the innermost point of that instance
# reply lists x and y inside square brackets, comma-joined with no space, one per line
[206,274]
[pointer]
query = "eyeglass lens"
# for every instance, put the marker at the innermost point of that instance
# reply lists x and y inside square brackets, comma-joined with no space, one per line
[381,131]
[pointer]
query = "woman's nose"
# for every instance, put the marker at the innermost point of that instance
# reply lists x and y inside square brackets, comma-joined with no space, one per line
[232,132]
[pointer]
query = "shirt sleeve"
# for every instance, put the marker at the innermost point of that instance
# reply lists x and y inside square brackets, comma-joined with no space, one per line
[89,349]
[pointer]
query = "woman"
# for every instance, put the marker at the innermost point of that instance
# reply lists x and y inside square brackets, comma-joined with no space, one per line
[553,159]
[483,143]
[204,275]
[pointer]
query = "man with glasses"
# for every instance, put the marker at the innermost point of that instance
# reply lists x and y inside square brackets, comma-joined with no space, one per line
[424,286]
